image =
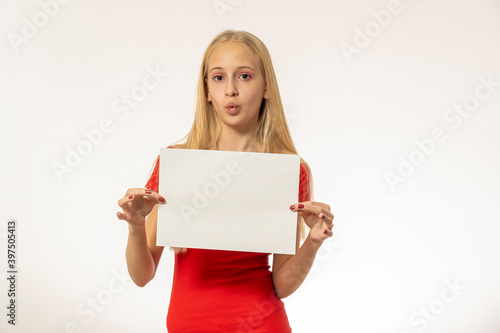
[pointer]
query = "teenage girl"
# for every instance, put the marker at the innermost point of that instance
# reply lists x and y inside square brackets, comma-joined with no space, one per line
[238,109]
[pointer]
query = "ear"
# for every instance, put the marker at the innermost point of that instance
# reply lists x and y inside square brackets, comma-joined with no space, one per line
[265,93]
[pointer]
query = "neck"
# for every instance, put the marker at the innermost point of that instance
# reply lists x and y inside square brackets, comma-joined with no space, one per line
[235,139]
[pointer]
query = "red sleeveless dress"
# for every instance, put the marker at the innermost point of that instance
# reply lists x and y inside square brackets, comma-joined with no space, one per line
[225,291]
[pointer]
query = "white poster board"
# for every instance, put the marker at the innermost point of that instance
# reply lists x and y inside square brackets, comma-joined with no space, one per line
[228,200]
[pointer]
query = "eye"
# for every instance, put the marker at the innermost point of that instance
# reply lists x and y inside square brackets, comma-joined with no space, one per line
[217,78]
[245,76]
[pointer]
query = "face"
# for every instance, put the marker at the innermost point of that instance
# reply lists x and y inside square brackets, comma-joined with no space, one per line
[235,85]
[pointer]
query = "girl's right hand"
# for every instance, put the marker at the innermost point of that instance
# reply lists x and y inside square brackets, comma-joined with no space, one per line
[137,204]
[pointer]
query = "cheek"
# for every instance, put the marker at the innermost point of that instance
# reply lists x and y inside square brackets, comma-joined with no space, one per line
[257,99]
[258,91]
[253,95]
[212,93]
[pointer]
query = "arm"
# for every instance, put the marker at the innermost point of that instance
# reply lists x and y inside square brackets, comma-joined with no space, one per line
[289,271]
[142,254]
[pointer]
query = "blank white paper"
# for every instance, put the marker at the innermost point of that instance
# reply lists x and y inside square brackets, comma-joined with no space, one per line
[228,200]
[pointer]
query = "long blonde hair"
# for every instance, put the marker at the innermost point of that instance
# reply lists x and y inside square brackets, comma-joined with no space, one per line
[272,130]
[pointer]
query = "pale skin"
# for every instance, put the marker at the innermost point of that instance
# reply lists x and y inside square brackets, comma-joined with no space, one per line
[233,76]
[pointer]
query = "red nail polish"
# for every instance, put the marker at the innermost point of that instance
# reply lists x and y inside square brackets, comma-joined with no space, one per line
[301,206]
[292,207]
[148,191]
[162,199]
[130,196]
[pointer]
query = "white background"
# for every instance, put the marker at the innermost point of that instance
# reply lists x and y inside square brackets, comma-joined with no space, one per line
[395,251]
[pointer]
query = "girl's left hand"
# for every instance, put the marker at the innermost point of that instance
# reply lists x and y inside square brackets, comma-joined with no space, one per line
[318,217]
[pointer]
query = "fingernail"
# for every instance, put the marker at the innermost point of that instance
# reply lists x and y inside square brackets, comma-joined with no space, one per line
[292,207]
[162,199]
[130,196]
[301,206]
[148,191]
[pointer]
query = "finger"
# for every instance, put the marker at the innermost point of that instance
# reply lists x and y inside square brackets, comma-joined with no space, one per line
[322,204]
[138,191]
[306,206]
[327,213]
[327,219]
[146,193]
[154,197]
[122,216]
[310,207]
[123,201]
[326,208]
[327,233]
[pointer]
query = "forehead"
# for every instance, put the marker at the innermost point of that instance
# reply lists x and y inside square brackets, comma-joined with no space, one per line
[232,54]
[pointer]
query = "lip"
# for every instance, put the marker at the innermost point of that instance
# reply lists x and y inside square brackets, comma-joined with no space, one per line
[232,108]
[231,105]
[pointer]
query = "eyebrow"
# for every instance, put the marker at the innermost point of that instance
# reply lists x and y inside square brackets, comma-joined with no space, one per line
[239,67]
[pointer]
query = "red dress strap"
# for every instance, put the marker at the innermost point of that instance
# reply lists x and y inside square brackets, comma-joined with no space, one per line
[152,183]
[304,184]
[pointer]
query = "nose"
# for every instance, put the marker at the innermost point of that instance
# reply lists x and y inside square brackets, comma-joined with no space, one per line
[231,89]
